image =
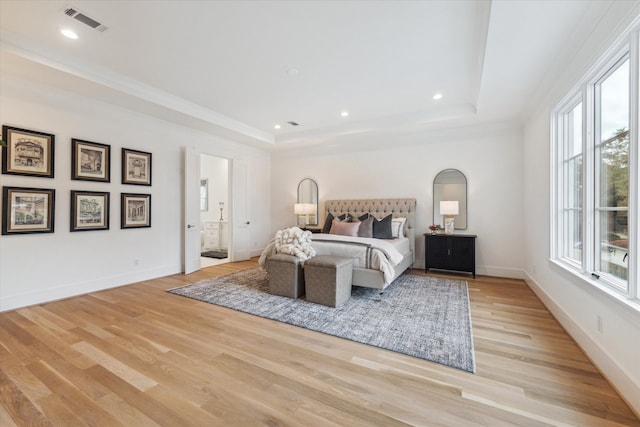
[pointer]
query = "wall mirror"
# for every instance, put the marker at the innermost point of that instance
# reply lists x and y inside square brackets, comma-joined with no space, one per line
[204,195]
[450,185]
[307,214]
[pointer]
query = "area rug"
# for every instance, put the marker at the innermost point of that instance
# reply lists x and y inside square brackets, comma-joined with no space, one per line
[214,254]
[421,316]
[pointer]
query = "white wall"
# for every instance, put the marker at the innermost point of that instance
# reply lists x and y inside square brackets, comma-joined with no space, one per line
[616,351]
[43,267]
[490,156]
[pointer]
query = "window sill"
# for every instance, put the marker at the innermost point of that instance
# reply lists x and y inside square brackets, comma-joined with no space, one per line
[595,286]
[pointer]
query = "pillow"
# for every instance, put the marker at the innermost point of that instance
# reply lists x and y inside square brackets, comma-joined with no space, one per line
[366,227]
[352,218]
[382,228]
[326,228]
[344,228]
[397,227]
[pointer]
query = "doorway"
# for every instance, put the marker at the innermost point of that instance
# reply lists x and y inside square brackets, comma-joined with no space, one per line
[214,210]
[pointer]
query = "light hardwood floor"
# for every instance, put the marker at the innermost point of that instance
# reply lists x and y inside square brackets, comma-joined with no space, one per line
[139,356]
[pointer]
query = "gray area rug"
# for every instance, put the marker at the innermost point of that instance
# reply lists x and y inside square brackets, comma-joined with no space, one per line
[421,316]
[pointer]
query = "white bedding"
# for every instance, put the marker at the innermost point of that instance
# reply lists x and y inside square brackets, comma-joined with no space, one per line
[403,245]
[376,254]
[393,249]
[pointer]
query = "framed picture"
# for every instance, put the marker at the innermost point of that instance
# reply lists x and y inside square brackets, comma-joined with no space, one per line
[135,210]
[136,167]
[27,152]
[27,210]
[89,210]
[90,161]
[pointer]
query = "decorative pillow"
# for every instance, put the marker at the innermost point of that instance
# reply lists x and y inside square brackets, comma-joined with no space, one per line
[344,228]
[329,222]
[382,228]
[366,227]
[352,218]
[397,227]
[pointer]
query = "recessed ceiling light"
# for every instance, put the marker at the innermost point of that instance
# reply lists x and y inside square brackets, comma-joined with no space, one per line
[69,33]
[276,127]
[437,96]
[344,114]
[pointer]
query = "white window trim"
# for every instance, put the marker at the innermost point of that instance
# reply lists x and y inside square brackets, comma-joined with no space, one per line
[634,160]
[583,91]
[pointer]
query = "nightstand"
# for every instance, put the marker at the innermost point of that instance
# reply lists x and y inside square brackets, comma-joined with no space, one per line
[454,252]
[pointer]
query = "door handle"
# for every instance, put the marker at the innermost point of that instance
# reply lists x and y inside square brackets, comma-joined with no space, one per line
[190,226]
[247,223]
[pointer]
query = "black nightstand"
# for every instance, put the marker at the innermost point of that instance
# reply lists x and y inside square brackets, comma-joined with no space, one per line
[455,252]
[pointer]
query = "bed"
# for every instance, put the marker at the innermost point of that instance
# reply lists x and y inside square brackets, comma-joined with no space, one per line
[375,276]
[377,262]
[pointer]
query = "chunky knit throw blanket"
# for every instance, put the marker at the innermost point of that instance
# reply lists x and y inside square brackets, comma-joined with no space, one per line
[294,241]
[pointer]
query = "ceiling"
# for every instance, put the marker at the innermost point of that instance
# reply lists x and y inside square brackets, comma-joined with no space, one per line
[238,68]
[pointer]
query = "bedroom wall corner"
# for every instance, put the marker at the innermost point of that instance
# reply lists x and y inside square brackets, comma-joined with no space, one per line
[37,268]
[575,303]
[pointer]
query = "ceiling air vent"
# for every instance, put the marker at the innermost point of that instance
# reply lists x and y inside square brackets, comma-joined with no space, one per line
[76,14]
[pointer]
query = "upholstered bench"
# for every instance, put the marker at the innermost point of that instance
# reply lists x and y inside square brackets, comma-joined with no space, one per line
[328,279]
[285,275]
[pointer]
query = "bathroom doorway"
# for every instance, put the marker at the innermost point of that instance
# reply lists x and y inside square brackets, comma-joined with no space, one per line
[214,210]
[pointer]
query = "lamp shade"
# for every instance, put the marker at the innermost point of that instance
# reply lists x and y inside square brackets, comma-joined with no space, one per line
[449,207]
[299,208]
[304,208]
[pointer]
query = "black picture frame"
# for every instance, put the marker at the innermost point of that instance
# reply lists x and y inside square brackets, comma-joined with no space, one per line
[28,210]
[136,167]
[28,152]
[89,210]
[135,210]
[90,161]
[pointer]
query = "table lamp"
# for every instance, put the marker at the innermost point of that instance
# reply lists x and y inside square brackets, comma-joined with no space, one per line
[449,208]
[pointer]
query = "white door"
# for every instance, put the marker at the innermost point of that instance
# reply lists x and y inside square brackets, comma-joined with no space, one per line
[191,226]
[240,222]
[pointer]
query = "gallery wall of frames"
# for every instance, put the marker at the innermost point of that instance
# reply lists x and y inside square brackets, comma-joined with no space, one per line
[27,210]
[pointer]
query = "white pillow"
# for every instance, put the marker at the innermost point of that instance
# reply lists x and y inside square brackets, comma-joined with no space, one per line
[397,227]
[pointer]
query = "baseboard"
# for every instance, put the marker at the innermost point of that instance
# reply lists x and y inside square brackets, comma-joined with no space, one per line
[617,376]
[511,273]
[40,296]
[256,252]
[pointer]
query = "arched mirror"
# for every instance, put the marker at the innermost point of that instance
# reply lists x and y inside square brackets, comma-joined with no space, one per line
[307,207]
[450,187]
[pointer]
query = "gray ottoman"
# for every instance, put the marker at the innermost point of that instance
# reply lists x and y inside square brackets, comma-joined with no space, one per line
[285,275]
[328,279]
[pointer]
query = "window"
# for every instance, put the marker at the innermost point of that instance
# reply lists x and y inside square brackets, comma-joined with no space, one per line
[612,174]
[573,184]
[595,156]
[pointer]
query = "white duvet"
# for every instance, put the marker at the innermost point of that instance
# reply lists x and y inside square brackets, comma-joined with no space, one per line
[376,254]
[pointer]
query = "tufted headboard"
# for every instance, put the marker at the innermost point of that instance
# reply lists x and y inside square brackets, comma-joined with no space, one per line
[379,208]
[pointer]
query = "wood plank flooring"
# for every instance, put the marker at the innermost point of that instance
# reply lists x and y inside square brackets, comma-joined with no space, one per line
[139,356]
